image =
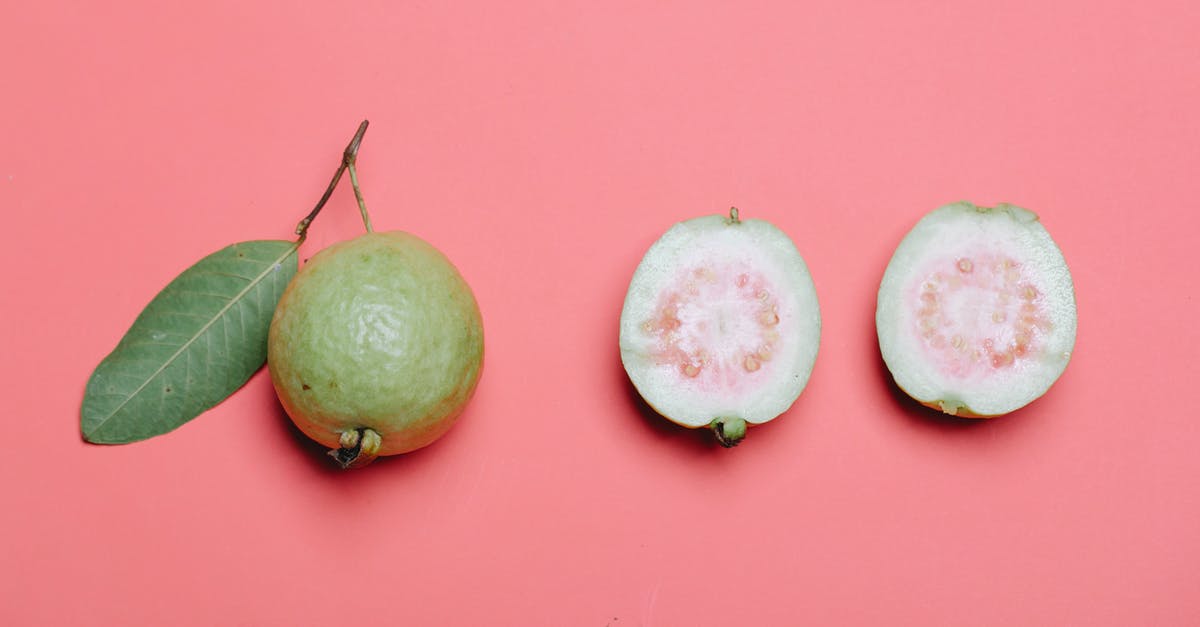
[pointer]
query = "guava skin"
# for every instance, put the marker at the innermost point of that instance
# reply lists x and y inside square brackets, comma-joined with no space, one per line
[376,333]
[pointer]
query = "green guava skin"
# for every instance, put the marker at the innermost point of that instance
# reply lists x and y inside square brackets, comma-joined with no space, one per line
[380,332]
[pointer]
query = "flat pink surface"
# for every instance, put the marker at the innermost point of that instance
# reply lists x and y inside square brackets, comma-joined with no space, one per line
[543,147]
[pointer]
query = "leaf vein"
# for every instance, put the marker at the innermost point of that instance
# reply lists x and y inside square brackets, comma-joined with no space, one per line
[219,315]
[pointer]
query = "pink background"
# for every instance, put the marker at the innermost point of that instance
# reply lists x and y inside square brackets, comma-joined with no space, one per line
[543,147]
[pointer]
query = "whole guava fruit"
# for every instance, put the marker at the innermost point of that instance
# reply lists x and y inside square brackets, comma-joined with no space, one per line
[376,346]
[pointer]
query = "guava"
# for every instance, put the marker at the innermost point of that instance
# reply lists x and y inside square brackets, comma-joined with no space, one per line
[376,346]
[976,311]
[721,326]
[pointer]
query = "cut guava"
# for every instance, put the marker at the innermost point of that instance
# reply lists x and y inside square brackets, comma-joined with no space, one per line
[976,311]
[720,326]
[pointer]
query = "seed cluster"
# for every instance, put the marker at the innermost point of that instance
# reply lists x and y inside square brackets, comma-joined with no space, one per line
[980,311]
[719,325]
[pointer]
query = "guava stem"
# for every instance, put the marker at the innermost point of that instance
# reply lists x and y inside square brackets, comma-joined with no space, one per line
[357,448]
[730,431]
[348,158]
[362,206]
[733,215]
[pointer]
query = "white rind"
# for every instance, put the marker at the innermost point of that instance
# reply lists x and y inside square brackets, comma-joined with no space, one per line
[959,230]
[718,240]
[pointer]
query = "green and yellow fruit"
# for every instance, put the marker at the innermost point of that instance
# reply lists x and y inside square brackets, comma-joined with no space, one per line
[376,346]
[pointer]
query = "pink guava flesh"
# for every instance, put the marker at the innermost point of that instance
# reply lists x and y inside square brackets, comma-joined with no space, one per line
[978,314]
[717,326]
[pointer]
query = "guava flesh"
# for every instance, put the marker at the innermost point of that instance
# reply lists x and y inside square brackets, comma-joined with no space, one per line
[976,310]
[718,326]
[378,333]
[720,322]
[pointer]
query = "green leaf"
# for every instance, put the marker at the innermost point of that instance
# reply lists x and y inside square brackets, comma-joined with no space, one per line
[196,343]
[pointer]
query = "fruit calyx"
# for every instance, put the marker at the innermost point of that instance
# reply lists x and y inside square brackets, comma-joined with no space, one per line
[358,447]
[730,430]
[733,216]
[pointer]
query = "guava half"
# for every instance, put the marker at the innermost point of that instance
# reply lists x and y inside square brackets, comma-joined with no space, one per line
[376,346]
[976,311]
[721,326]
